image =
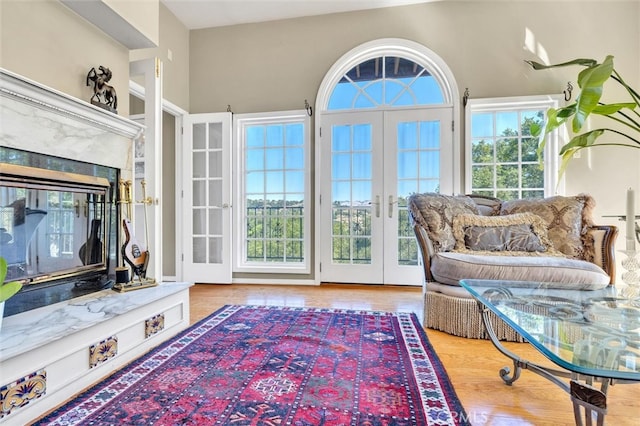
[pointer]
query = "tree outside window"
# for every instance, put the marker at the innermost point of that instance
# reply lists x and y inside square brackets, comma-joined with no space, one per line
[502,151]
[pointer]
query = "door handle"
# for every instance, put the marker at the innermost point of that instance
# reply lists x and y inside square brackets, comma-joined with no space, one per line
[377,203]
[391,203]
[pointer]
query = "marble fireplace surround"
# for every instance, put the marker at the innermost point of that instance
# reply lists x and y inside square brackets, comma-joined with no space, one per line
[53,350]
[39,119]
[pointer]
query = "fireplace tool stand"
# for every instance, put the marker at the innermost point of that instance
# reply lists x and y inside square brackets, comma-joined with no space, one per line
[133,253]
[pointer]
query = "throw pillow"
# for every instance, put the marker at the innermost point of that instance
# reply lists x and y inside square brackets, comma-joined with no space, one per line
[487,206]
[522,234]
[566,219]
[435,213]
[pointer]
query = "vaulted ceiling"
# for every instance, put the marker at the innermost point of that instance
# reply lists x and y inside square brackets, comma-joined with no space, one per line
[196,14]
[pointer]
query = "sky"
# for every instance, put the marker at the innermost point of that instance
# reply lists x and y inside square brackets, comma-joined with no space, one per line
[275,153]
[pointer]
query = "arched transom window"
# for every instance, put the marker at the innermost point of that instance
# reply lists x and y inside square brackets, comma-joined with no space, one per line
[385,81]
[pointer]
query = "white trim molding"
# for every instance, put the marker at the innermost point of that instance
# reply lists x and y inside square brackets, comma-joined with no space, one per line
[28,91]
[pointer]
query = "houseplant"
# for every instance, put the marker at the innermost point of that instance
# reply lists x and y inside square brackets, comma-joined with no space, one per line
[7,290]
[591,81]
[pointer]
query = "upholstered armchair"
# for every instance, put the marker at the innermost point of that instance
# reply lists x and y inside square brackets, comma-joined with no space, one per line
[551,240]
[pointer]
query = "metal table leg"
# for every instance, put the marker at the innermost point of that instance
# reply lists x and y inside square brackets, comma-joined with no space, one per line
[583,395]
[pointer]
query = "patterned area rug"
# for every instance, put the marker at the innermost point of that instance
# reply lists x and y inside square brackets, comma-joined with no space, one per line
[258,365]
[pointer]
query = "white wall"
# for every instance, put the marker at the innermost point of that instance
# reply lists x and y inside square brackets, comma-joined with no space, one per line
[45,41]
[173,51]
[276,65]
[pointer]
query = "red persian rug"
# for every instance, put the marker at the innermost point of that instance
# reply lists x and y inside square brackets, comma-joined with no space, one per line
[260,365]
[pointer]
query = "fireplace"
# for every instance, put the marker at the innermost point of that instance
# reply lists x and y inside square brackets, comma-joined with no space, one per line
[62,159]
[58,229]
[56,149]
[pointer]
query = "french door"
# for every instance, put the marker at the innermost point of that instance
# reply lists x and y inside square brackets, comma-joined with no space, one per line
[206,198]
[371,162]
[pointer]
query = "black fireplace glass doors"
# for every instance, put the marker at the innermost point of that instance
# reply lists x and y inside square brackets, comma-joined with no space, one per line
[52,224]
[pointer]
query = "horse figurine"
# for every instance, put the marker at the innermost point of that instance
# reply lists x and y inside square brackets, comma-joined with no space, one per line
[101,88]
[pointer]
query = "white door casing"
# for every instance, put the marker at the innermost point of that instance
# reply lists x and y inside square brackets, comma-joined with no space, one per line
[151,220]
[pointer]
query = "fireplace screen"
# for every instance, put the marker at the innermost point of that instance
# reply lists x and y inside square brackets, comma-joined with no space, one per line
[52,224]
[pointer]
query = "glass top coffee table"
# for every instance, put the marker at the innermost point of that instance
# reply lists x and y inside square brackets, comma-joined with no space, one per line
[593,335]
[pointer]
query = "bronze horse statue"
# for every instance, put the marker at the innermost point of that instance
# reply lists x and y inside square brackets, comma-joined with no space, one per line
[101,88]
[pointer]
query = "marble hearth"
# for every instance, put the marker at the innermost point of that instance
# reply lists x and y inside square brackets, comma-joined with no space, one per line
[51,353]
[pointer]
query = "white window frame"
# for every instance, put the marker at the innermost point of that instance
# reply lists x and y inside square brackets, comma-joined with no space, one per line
[240,123]
[553,185]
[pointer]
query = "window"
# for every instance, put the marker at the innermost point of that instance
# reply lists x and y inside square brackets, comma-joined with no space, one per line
[60,217]
[502,158]
[7,213]
[389,81]
[273,192]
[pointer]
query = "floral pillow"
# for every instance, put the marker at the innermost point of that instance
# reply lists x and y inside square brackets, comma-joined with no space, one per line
[566,220]
[435,213]
[522,234]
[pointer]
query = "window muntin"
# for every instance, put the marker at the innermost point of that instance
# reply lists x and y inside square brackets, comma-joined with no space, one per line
[385,81]
[502,159]
[274,193]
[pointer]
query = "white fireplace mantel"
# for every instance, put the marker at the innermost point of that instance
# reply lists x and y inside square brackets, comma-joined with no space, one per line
[37,118]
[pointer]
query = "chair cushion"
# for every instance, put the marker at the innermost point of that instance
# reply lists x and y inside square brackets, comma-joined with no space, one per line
[451,267]
[435,213]
[566,219]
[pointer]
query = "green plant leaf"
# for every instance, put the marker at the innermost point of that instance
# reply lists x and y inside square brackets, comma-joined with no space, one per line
[608,109]
[3,269]
[8,290]
[566,158]
[556,117]
[633,93]
[535,129]
[581,141]
[583,62]
[591,81]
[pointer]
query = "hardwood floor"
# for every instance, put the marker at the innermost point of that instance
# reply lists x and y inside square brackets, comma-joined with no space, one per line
[472,365]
